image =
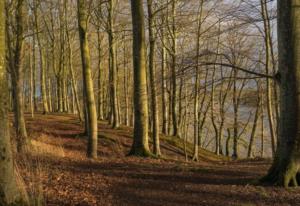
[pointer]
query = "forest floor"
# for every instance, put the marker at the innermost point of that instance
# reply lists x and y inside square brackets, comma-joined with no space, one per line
[56,169]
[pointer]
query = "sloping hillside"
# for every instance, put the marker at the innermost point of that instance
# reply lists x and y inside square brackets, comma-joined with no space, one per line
[57,172]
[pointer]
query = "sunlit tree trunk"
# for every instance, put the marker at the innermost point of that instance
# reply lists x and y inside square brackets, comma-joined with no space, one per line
[269,64]
[100,78]
[91,114]
[73,80]
[197,81]
[9,193]
[17,77]
[140,144]
[113,65]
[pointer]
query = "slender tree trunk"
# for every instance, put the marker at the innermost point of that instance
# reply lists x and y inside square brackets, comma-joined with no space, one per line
[163,83]
[202,114]
[256,117]
[17,79]
[100,78]
[262,116]
[269,65]
[125,81]
[87,80]
[113,65]
[212,114]
[43,80]
[42,61]
[31,77]
[49,91]
[152,72]
[35,98]
[73,80]
[176,132]
[227,142]
[235,118]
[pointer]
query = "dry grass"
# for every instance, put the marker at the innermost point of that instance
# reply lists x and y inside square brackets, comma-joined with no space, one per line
[30,169]
[42,148]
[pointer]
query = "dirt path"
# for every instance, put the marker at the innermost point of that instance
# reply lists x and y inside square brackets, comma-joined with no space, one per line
[68,178]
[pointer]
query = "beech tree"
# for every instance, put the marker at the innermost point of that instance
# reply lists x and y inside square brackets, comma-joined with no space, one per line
[285,168]
[89,99]
[15,47]
[9,193]
[152,74]
[41,56]
[140,144]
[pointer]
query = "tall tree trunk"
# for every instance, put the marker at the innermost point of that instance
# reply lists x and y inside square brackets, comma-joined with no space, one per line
[113,65]
[17,79]
[31,95]
[197,80]
[140,144]
[42,61]
[235,118]
[100,78]
[152,72]
[269,65]
[202,115]
[73,80]
[43,80]
[218,145]
[256,117]
[35,98]
[87,80]
[9,193]
[163,82]
[125,82]
[286,166]
[262,146]
[176,132]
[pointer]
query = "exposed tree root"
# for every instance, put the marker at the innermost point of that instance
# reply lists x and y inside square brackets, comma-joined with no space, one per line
[288,177]
[140,152]
[195,158]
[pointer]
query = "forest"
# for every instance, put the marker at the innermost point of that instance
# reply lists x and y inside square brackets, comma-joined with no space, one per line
[149,102]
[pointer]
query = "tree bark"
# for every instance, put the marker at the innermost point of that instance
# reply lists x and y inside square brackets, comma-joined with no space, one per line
[140,146]
[269,65]
[9,193]
[42,61]
[176,132]
[17,78]
[163,82]
[286,164]
[100,78]
[152,72]
[90,105]
[256,117]
[113,65]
